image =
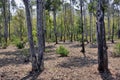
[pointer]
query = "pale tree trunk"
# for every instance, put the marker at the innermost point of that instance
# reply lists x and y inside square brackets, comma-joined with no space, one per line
[40,33]
[102,48]
[30,36]
[85,26]
[90,27]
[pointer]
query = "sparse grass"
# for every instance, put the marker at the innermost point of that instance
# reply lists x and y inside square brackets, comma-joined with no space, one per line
[116,52]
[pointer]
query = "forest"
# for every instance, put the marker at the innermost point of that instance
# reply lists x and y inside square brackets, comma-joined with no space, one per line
[59,39]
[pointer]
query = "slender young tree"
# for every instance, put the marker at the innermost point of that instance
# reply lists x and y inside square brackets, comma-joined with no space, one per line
[102,48]
[81,18]
[113,26]
[30,36]
[40,34]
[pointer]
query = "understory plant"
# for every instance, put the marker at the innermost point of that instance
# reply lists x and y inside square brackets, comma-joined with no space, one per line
[116,52]
[62,51]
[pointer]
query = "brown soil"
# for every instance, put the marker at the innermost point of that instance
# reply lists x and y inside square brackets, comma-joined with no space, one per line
[73,67]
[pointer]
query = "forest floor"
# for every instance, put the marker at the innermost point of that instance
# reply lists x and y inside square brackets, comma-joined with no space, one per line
[73,67]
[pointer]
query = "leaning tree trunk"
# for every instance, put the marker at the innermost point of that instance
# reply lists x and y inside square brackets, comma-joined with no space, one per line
[102,48]
[40,33]
[30,36]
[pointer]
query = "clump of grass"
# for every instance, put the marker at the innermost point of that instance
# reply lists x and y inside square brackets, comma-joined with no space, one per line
[62,51]
[116,52]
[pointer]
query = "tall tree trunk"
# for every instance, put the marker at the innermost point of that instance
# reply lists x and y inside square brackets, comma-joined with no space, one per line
[40,33]
[30,36]
[65,24]
[71,22]
[9,18]
[102,48]
[118,24]
[61,30]
[81,16]
[44,25]
[90,27]
[55,26]
[108,25]
[113,30]
[85,26]
[5,20]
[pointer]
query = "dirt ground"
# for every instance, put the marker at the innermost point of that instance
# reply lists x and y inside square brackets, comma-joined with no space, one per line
[73,67]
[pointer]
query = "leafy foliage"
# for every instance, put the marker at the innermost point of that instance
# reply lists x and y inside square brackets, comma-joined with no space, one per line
[62,51]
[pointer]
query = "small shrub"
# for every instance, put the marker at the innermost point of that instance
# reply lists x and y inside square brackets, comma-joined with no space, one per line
[62,51]
[20,45]
[116,52]
[4,46]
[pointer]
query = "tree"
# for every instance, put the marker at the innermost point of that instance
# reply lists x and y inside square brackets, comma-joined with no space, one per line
[4,4]
[30,36]
[40,34]
[102,48]
[81,16]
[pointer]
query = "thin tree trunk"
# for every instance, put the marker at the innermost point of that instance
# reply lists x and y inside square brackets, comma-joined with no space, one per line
[81,16]
[71,22]
[108,26]
[40,33]
[9,19]
[64,24]
[44,24]
[113,30]
[55,25]
[102,48]
[30,36]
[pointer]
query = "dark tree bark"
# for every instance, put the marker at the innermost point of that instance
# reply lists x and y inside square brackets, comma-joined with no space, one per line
[4,2]
[81,16]
[44,28]
[30,36]
[9,19]
[113,26]
[40,33]
[108,26]
[102,48]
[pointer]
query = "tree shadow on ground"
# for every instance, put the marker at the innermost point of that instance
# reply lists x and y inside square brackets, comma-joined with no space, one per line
[50,46]
[65,43]
[107,76]
[14,58]
[31,76]
[75,46]
[78,62]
